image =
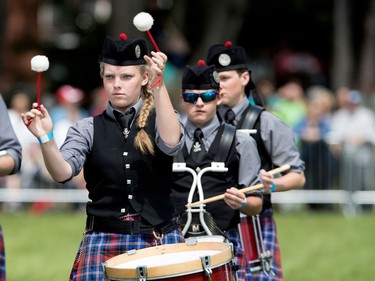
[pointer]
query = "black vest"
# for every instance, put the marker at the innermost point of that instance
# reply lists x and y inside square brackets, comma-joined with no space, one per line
[213,183]
[119,176]
[251,120]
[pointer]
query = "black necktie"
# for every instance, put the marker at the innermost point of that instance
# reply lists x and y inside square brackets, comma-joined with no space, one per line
[198,151]
[229,117]
[125,120]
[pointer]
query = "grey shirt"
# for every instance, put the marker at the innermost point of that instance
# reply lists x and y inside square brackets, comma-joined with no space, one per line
[79,139]
[277,136]
[9,143]
[247,153]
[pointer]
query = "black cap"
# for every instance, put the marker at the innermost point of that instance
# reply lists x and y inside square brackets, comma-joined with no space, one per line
[200,77]
[124,51]
[227,57]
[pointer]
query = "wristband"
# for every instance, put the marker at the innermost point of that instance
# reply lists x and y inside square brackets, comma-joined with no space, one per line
[273,187]
[45,138]
[243,205]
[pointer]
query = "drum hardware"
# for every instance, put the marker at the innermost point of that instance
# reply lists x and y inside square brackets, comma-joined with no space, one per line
[252,241]
[243,190]
[206,265]
[158,238]
[142,273]
[204,217]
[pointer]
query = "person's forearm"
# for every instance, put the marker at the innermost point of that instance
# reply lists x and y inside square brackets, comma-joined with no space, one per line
[253,206]
[167,121]
[290,181]
[56,165]
[6,165]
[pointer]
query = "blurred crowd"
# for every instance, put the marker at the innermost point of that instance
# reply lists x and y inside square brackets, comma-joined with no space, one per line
[334,130]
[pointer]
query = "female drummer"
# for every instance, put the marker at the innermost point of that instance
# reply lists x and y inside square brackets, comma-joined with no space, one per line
[204,134]
[126,154]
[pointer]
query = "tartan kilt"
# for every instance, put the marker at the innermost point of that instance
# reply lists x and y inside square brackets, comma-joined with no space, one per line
[2,256]
[271,243]
[244,271]
[97,247]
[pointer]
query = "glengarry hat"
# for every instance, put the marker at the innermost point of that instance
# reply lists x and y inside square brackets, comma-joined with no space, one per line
[124,51]
[227,57]
[200,77]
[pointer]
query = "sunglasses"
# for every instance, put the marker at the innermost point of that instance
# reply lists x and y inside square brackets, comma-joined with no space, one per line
[193,97]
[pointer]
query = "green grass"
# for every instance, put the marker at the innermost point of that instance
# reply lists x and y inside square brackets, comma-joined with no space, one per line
[327,246]
[318,246]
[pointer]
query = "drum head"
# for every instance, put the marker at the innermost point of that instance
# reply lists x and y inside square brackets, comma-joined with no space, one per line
[167,260]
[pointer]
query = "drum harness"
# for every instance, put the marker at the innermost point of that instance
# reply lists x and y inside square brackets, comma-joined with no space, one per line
[205,219]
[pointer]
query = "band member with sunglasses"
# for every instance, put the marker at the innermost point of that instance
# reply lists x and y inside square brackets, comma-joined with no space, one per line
[204,137]
[10,163]
[126,154]
[275,139]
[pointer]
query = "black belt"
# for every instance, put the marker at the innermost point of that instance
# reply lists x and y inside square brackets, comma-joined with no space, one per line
[94,223]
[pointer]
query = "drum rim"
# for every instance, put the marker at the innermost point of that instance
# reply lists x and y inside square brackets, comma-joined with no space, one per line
[170,270]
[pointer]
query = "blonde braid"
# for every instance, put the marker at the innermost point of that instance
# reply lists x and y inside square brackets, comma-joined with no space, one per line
[142,139]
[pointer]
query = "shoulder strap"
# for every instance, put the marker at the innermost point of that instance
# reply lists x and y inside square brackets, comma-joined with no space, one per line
[225,144]
[251,116]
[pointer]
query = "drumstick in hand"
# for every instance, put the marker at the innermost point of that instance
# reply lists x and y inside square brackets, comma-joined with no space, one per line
[243,190]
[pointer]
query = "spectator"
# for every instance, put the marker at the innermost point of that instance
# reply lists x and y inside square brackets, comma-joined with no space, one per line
[311,133]
[20,101]
[291,107]
[352,139]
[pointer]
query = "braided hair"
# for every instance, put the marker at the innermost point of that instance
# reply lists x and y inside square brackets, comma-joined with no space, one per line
[142,139]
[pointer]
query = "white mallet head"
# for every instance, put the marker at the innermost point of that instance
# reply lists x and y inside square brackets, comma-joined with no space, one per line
[39,63]
[143,21]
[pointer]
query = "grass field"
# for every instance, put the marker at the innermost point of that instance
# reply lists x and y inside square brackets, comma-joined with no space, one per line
[314,246]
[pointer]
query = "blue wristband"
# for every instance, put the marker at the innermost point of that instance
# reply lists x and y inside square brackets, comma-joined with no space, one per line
[273,187]
[243,205]
[45,138]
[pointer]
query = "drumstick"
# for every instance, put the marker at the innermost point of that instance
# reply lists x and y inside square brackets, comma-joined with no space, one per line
[243,190]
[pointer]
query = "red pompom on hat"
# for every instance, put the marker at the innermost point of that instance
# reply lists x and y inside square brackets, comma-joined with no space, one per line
[201,63]
[228,44]
[123,36]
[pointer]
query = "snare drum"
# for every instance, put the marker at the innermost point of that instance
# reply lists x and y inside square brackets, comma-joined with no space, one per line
[252,241]
[176,262]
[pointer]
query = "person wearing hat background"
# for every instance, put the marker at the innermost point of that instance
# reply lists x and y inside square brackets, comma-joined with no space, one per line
[10,163]
[203,141]
[126,154]
[275,139]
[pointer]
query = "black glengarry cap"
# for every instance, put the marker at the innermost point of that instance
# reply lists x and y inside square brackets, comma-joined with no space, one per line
[124,51]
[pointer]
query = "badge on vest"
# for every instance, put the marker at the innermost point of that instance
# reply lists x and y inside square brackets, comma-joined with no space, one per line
[197,147]
[126,132]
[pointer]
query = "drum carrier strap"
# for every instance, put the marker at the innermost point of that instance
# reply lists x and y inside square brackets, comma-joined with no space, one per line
[251,120]
[226,140]
[225,143]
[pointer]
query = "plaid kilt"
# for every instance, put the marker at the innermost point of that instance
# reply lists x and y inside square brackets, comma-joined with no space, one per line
[243,273]
[271,243]
[98,247]
[2,256]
